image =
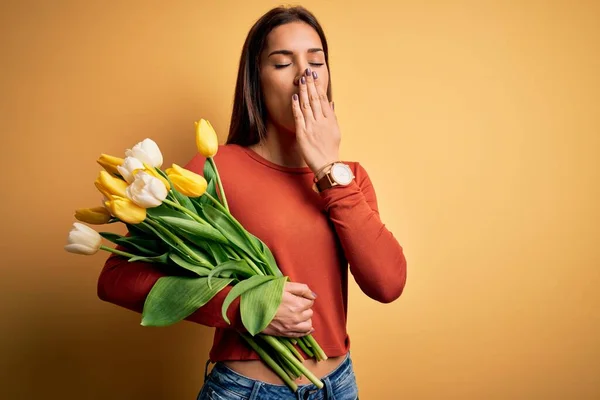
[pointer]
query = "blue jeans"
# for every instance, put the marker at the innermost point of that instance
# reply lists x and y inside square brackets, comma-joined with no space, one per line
[225,384]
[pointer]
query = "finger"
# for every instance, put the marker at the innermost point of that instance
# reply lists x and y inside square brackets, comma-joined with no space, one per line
[303,327]
[305,102]
[313,95]
[299,121]
[300,289]
[326,106]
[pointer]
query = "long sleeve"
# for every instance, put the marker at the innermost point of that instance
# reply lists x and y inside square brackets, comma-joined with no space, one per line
[376,259]
[127,284]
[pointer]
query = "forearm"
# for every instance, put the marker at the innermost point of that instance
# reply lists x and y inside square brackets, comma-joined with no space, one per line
[127,285]
[376,259]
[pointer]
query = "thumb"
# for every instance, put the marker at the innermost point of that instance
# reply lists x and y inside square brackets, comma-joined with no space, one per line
[300,289]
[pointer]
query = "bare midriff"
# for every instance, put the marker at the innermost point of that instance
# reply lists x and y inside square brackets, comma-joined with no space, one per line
[257,370]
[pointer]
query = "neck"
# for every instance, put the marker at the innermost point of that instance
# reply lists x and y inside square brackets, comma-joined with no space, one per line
[280,147]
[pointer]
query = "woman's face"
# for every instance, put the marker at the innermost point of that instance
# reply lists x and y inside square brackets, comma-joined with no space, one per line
[289,50]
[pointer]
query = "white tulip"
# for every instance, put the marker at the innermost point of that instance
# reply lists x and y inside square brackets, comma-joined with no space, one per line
[146,151]
[129,165]
[146,190]
[83,240]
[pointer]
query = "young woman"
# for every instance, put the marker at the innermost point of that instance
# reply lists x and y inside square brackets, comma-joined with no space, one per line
[286,184]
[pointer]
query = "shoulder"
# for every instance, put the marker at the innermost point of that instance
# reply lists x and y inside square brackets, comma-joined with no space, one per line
[227,153]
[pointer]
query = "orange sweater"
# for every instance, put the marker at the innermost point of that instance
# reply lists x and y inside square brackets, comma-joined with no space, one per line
[312,236]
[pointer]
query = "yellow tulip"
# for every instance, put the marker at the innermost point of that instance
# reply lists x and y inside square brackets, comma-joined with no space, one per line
[110,163]
[206,138]
[187,182]
[109,186]
[126,210]
[95,215]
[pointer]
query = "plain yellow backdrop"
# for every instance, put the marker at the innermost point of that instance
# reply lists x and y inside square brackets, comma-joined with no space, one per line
[478,122]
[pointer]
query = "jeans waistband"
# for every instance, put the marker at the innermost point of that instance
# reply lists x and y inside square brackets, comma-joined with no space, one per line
[226,377]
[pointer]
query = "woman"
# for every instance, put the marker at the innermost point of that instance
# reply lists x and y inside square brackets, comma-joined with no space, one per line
[284,182]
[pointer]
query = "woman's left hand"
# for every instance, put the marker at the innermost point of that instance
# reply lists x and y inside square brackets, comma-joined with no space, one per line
[317,131]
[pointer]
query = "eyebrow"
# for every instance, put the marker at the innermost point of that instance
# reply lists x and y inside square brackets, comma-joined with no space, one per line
[289,52]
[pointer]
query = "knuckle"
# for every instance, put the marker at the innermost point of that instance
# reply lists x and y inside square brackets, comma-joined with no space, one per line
[314,97]
[323,97]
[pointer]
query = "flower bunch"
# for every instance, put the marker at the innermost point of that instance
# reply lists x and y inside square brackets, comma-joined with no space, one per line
[181,219]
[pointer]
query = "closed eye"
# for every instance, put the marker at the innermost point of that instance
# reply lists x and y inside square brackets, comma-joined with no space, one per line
[279,66]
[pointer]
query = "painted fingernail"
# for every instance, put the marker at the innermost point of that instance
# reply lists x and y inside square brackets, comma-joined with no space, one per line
[307,71]
[314,75]
[295,96]
[314,295]
[303,80]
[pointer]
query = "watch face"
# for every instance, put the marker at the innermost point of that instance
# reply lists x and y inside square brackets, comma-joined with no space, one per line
[341,174]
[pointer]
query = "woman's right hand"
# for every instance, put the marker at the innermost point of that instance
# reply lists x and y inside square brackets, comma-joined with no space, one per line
[294,315]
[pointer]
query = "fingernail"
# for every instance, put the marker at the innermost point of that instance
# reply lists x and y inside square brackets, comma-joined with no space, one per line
[295,96]
[314,75]
[314,294]
[303,80]
[333,105]
[307,71]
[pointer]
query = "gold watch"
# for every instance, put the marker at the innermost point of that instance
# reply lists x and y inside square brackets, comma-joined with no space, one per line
[339,174]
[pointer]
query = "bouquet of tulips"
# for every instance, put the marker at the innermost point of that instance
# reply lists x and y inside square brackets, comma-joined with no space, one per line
[181,220]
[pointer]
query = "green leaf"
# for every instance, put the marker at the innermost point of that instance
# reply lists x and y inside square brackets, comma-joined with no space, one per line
[165,211]
[241,267]
[196,228]
[186,263]
[259,304]
[229,229]
[218,253]
[113,237]
[242,287]
[273,267]
[174,298]
[208,171]
[147,246]
[139,230]
[184,200]
[163,258]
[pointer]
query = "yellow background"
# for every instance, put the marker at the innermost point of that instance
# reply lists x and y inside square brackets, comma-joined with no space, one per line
[478,122]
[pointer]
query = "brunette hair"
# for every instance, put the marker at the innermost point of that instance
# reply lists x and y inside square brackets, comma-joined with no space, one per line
[248,117]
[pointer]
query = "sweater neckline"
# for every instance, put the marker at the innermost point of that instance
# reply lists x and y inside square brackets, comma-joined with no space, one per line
[257,157]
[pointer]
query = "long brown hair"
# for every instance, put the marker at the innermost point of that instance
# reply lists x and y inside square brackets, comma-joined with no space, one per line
[248,117]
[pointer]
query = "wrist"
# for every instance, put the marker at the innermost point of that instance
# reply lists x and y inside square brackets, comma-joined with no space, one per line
[325,168]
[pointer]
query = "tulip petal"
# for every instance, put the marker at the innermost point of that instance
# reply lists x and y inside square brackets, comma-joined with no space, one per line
[80,249]
[110,163]
[207,141]
[126,210]
[95,215]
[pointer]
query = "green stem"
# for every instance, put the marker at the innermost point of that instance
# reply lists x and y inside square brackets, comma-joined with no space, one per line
[270,362]
[291,348]
[252,265]
[305,348]
[292,371]
[186,211]
[119,252]
[281,349]
[155,226]
[318,350]
[221,191]
[220,207]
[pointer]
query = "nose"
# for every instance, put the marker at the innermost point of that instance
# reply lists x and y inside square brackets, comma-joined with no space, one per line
[301,71]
